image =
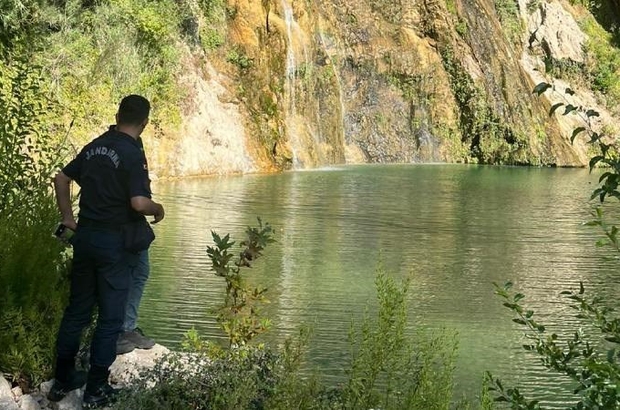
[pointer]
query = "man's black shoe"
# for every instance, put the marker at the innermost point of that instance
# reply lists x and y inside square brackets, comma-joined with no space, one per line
[101,396]
[139,339]
[133,339]
[59,389]
[124,345]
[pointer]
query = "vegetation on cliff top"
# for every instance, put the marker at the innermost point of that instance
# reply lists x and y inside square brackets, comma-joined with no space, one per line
[93,52]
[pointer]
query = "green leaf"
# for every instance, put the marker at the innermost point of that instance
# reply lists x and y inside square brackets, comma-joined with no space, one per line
[595,160]
[576,132]
[605,175]
[581,288]
[554,107]
[592,113]
[610,355]
[541,88]
[602,242]
[599,212]
[569,108]
[596,193]
[569,91]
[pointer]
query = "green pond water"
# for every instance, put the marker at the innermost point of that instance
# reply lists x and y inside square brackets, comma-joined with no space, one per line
[454,228]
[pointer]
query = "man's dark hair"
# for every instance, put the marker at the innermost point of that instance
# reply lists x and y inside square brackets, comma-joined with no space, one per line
[133,110]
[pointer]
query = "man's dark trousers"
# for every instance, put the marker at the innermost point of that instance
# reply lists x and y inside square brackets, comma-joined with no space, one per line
[100,275]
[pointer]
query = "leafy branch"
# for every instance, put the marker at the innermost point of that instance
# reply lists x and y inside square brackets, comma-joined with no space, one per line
[608,153]
[596,373]
[239,317]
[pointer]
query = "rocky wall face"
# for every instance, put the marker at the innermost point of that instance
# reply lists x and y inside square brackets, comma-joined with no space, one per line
[353,81]
[391,82]
[400,103]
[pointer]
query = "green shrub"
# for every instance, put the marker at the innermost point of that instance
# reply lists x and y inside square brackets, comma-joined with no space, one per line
[239,380]
[591,362]
[110,49]
[211,39]
[33,287]
[388,368]
[603,63]
[510,19]
[240,315]
[393,370]
[26,147]
[594,368]
[238,57]
[212,9]
[21,26]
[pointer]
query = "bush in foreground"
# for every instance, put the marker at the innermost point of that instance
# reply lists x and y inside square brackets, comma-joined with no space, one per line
[33,266]
[388,367]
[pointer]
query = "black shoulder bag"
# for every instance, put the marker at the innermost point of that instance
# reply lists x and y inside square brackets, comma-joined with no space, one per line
[138,235]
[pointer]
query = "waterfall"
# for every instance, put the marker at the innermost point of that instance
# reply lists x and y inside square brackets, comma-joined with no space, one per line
[303,122]
[291,70]
[302,134]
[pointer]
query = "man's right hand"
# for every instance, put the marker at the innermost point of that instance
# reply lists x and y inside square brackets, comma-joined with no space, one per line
[147,207]
[159,214]
[70,223]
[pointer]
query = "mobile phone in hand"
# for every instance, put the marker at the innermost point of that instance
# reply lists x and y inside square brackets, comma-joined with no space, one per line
[64,233]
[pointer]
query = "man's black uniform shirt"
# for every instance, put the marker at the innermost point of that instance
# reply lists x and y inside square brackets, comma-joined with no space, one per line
[110,170]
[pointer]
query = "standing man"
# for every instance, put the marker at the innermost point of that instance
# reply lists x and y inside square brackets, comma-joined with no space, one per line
[132,336]
[115,191]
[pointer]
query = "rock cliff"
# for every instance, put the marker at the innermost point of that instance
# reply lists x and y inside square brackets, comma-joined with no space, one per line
[309,83]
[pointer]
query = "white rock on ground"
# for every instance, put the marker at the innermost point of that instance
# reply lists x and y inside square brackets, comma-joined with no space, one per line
[5,389]
[129,365]
[72,401]
[125,368]
[27,402]
[7,403]
[45,387]
[17,392]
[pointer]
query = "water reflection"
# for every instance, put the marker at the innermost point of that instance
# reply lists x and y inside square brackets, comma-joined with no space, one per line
[455,229]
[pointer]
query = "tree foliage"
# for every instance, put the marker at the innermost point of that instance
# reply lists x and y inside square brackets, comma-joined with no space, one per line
[28,150]
[33,286]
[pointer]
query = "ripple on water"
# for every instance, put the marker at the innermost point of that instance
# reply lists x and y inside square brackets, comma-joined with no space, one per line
[454,229]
